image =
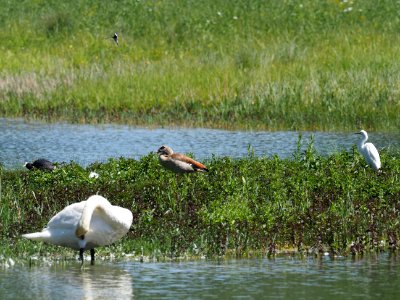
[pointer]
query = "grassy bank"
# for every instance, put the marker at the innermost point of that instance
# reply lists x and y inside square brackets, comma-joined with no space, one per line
[327,65]
[253,205]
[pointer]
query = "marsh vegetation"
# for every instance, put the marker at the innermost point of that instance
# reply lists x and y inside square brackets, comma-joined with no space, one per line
[327,65]
[250,206]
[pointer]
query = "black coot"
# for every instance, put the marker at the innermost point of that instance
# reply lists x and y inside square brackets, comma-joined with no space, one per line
[41,164]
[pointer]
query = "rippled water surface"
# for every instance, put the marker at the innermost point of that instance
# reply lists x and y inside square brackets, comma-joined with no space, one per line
[280,278]
[22,141]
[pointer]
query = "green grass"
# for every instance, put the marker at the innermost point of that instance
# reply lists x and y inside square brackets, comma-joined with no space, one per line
[250,206]
[327,65]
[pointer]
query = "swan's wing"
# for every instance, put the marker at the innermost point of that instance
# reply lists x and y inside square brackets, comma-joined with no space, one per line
[61,228]
[68,217]
[106,228]
[372,155]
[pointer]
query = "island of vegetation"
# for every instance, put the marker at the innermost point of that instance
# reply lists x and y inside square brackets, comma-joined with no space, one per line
[307,204]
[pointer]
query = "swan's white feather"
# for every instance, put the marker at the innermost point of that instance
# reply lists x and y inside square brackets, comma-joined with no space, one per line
[108,224]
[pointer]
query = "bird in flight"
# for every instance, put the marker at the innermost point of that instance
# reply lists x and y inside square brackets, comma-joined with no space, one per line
[115,38]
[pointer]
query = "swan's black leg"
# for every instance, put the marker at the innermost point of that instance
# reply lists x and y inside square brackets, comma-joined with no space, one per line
[81,254]
[92,256]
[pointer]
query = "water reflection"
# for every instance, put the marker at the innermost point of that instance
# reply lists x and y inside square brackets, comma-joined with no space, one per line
[25,141]
[68,281]
[281,278]
[284,277]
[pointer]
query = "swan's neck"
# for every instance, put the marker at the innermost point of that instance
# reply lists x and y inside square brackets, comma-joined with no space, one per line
[93,203]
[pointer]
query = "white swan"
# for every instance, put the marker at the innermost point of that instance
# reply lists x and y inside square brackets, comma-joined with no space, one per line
[369,151]
[86,225]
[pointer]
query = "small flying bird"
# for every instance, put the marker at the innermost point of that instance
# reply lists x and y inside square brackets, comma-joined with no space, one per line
[86,225]
[369,151]
[115,38]
[178,163]
[41,164]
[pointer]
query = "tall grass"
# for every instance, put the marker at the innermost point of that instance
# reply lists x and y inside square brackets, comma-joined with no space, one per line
[325,65]
[309,203]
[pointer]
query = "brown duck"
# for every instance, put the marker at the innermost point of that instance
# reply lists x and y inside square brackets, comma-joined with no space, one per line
[177,162]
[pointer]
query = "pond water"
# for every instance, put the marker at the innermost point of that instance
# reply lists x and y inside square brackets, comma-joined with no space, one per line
[22,141]
[286,277]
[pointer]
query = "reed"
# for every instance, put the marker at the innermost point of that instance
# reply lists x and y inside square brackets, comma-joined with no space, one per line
[308,203]
[327,65]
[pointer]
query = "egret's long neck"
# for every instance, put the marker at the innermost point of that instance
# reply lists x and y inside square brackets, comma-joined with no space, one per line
[94,202]
[362,141]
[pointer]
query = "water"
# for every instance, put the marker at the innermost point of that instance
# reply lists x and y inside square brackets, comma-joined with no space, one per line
[280,278]
[22,141]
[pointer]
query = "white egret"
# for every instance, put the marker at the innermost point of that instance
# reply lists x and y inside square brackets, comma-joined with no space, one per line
[178,163]
[86,225]
[369,151]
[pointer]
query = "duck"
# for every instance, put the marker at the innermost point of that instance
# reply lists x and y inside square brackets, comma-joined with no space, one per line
[369,151]
[177,162]
[41,164]
[86,225]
